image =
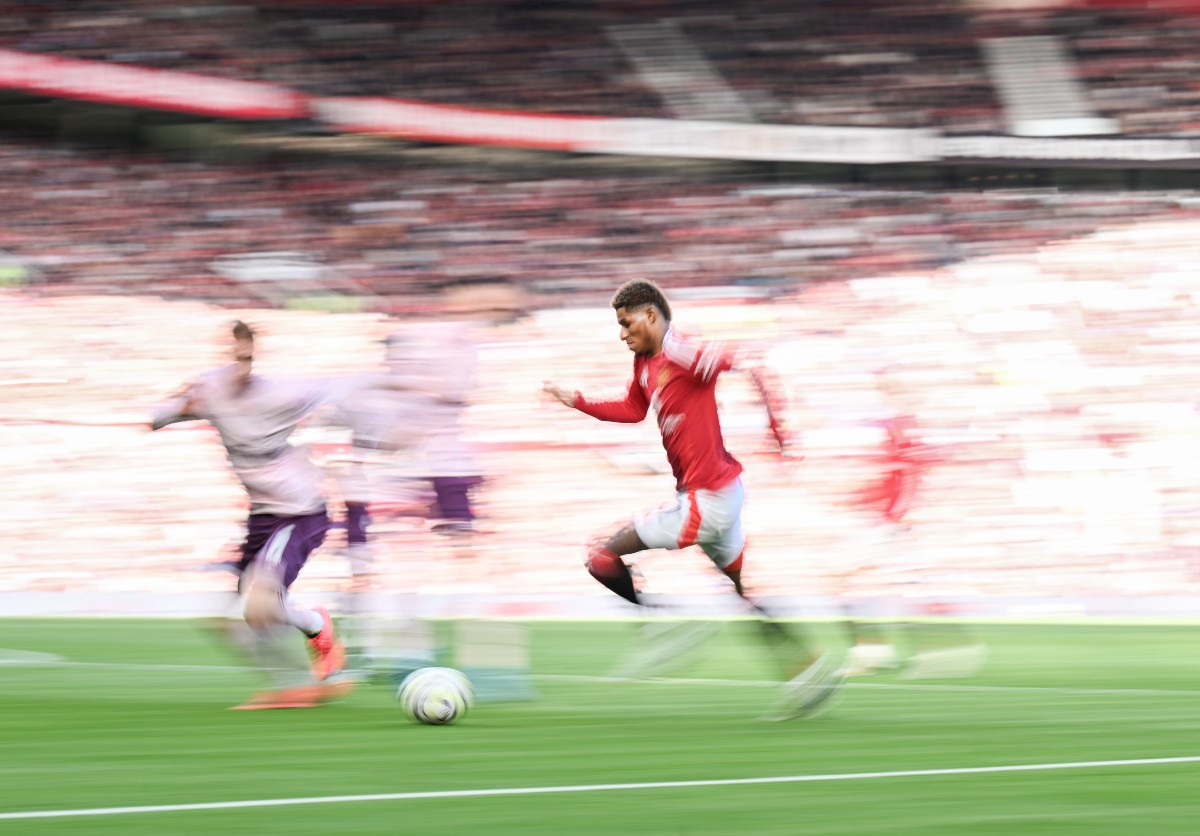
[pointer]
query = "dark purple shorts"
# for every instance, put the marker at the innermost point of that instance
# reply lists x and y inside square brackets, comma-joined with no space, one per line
[282,543]
[357,520]
[454,497]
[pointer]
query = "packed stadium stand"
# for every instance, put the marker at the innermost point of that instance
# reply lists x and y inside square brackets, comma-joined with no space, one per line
[1054,379]
[93,221]
[863,63]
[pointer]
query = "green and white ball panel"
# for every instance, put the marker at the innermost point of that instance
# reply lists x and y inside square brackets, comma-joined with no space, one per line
[435,696]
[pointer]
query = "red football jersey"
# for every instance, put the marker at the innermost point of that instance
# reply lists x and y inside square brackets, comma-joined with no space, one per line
[679,383]
[906,460]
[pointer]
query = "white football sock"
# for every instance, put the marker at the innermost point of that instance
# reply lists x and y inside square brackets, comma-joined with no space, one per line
[303,619]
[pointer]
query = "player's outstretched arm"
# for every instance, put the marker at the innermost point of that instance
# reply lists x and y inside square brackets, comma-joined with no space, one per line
[631,409]
[183,407]
[706,360]
[771,393]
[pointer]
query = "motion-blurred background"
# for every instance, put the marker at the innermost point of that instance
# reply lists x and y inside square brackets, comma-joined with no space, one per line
[978,216]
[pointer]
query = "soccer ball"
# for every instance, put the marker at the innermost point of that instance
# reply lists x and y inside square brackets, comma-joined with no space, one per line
[436,696]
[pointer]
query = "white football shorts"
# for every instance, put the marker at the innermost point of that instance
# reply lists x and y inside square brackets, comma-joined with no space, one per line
[711,520]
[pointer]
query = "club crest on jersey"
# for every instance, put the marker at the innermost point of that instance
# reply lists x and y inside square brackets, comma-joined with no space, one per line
[663,376]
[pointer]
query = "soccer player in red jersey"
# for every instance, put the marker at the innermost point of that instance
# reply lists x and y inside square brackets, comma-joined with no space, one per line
[905,460]
[887,500]
[935,648]
[677,379]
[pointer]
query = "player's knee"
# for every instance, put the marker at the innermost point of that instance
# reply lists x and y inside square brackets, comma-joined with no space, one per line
[611,571]
[602,563]
[262,609]
[262,600]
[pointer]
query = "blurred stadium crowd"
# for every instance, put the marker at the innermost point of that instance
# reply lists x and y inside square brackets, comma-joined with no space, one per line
[898,64]
[1042,341]
[1055,387]
[111,222]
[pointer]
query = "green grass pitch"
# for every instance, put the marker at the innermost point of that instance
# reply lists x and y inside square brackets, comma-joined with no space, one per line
[133,715]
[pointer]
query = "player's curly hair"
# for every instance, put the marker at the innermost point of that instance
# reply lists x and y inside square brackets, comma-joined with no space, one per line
[638,293]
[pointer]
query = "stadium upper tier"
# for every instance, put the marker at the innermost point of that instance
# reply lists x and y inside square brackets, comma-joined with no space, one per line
[877,63]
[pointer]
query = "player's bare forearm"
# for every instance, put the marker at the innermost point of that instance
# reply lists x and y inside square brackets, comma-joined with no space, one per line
[183,408]
[167,420]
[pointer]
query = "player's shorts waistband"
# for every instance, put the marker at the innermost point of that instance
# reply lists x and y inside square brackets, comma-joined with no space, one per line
[721,486]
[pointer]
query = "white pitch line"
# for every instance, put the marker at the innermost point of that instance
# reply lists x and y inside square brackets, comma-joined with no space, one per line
[647,785]
[897,686]
[27,657]
[123,666]
[1033,689]
[730,683]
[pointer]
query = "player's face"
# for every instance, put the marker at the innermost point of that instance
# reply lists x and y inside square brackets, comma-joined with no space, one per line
[636,329]
[243,355]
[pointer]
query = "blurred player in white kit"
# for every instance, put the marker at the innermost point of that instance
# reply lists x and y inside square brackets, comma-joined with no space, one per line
[287,519]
